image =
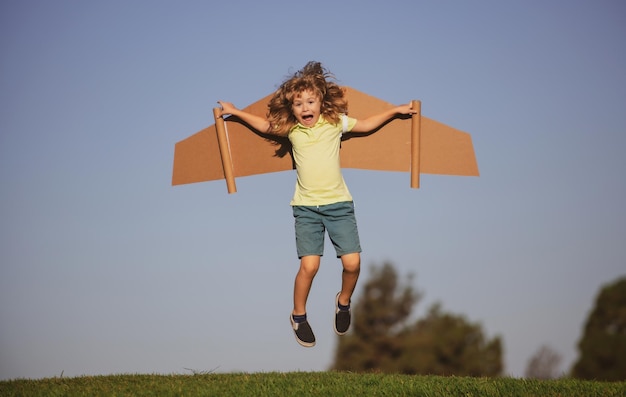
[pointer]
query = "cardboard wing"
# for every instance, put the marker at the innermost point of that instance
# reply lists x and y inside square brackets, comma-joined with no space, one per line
[416,144]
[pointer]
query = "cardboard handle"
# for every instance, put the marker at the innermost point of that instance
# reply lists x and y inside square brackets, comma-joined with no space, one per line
[416,128]
[222,140]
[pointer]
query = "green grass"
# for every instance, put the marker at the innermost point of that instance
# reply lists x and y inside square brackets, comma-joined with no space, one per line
[305,384]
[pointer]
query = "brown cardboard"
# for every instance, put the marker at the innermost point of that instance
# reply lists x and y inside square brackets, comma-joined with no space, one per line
[435,147]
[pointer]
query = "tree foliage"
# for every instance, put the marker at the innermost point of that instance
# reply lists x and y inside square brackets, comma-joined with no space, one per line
[373,344]
[384,340]
[603,344]
[544,364]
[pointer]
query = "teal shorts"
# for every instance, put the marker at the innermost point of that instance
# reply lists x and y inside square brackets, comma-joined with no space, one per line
[313,221]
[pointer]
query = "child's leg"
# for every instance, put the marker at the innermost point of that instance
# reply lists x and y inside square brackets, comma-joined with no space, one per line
[309,266]
[351,269]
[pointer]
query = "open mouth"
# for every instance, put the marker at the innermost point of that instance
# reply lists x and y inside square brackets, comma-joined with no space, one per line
[307,118]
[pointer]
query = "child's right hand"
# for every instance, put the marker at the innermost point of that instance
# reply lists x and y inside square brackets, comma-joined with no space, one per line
[256,122]
[227,107]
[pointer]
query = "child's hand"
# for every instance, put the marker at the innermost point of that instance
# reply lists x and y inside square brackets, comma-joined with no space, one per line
[256,122]
[227,107]
[406,109]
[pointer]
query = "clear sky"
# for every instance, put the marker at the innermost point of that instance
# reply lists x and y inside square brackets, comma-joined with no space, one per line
[106,268]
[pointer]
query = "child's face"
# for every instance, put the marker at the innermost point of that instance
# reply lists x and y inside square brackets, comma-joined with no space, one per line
[306,108]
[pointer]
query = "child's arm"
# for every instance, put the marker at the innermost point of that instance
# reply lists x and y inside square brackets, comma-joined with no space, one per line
[375,121]
[258,123]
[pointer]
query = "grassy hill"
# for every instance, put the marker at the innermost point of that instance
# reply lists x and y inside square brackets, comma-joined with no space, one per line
[305,384]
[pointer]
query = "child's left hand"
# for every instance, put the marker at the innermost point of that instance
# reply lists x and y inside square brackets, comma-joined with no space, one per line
[406,109]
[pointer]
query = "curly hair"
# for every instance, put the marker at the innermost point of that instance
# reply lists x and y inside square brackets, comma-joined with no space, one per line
[313,77]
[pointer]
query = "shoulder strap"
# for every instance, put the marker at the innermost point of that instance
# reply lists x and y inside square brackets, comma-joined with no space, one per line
[344,120]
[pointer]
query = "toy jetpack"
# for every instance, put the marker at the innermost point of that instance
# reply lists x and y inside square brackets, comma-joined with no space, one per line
[230,148]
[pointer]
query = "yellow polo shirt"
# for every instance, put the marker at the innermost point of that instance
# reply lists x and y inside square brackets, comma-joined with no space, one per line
[318,168]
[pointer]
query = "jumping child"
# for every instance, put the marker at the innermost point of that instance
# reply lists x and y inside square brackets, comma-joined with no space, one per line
[310,109]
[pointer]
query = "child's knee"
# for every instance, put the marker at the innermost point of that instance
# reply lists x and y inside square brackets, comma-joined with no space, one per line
[351,263]
[310,265]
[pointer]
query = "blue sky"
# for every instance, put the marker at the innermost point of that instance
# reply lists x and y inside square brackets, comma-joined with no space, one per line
[106,268]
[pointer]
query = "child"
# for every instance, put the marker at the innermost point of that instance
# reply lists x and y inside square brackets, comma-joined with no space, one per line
[310,109]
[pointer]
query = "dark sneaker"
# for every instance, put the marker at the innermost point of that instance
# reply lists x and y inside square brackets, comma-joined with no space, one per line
[342,318]
[304,333]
